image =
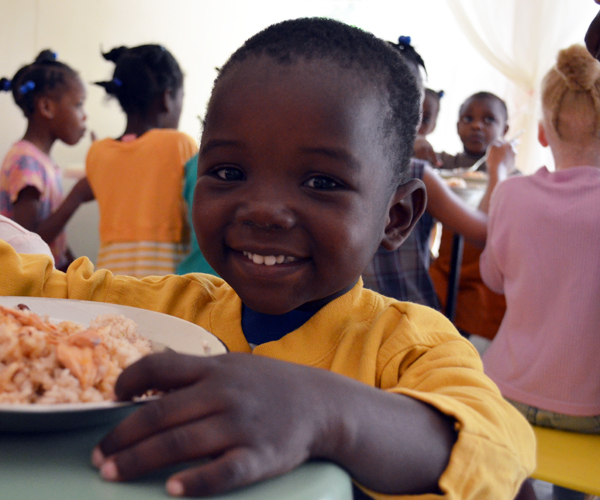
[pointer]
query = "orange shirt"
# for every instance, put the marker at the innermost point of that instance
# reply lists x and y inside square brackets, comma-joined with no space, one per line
[139,185]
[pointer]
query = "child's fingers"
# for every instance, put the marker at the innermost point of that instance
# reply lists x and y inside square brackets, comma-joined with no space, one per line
[162,371]
[197,440]
[234,469]
[169,411]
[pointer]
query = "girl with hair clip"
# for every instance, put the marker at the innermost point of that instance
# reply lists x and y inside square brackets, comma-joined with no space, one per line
[51,95]
[138,177]
[542,254]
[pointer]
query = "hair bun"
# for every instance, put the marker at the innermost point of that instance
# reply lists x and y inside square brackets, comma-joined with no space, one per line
[579,69]
[46,56]
[115,54]
[5,85]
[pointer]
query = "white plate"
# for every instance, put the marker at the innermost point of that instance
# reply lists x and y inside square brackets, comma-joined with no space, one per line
[177,334]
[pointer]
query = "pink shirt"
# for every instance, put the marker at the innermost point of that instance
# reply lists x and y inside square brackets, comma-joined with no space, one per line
[543,253]
[25,165]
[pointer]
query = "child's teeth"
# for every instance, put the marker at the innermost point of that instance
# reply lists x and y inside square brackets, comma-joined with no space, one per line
[269,260]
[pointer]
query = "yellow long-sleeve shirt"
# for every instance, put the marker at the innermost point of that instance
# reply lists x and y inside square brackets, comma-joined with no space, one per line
[395,346]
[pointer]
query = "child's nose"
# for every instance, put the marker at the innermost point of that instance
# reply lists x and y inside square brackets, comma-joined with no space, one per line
[266,214]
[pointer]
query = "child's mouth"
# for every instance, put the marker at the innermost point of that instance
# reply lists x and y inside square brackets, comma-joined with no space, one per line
[269,260]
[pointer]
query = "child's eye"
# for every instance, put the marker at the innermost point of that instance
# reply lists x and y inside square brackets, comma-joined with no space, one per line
[228,174]
[466,119]
[489,120]
[322,183]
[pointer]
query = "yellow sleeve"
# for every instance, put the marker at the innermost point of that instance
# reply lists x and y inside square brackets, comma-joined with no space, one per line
[189,297]
[495,448]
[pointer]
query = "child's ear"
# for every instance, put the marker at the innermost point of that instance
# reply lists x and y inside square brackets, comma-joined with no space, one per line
[542,135]
[505,130]
[46,107]
[406,206]
[164,102]
[168,98]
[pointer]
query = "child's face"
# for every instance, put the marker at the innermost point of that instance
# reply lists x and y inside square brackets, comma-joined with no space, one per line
[68,121]
[431,107]
[173,105]
[293,182]
[480,123]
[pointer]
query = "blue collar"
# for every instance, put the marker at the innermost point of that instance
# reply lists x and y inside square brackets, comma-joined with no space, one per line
[259,328]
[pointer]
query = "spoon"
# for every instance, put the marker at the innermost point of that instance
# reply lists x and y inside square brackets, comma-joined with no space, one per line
[481,160]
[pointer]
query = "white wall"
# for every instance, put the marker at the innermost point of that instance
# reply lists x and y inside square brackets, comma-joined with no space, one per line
[202,34]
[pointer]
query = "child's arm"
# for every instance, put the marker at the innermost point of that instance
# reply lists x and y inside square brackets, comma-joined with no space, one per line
[423,150]
[257,417]
[444,205]
[500,163]
[26,210]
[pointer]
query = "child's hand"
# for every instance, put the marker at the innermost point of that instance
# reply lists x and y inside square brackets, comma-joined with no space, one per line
[251,416]
[423,150]
[500,160]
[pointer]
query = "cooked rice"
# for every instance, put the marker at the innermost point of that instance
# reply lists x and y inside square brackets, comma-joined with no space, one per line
[44,362]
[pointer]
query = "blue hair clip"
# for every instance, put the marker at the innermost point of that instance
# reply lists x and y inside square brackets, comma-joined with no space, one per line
[440,94]
[55,55]
[117,82]
[404,40]
[6,85]
[26,87]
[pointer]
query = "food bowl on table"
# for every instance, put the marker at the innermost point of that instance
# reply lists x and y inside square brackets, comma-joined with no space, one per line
[161,329]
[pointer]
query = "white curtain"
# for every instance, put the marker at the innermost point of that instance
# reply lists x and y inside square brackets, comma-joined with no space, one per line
[521,38]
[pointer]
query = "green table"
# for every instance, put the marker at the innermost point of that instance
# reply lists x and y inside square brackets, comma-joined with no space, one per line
[56,465]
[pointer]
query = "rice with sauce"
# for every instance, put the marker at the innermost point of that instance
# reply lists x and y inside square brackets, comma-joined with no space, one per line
[44,362]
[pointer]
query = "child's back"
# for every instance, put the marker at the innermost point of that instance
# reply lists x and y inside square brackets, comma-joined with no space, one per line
[542,253]
[138,178]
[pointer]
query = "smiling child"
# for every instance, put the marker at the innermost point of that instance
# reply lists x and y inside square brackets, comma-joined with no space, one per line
[301,176]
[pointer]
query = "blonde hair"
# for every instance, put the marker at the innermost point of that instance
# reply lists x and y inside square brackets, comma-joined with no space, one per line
[571,95]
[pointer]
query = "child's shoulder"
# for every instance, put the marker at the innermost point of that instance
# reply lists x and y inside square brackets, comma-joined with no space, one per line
[169,134]
[415,323]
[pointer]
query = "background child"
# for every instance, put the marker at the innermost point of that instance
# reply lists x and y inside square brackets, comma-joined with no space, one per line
[404,272]
[483,119]
[51,96]
[307,137]
[138,178]
[542,253]
[431,108]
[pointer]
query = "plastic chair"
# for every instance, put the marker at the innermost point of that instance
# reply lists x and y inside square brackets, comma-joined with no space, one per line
[568,459]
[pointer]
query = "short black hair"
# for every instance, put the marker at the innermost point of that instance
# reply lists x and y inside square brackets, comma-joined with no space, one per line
[355,50]
[481,96]
[35,79]
[141,75]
